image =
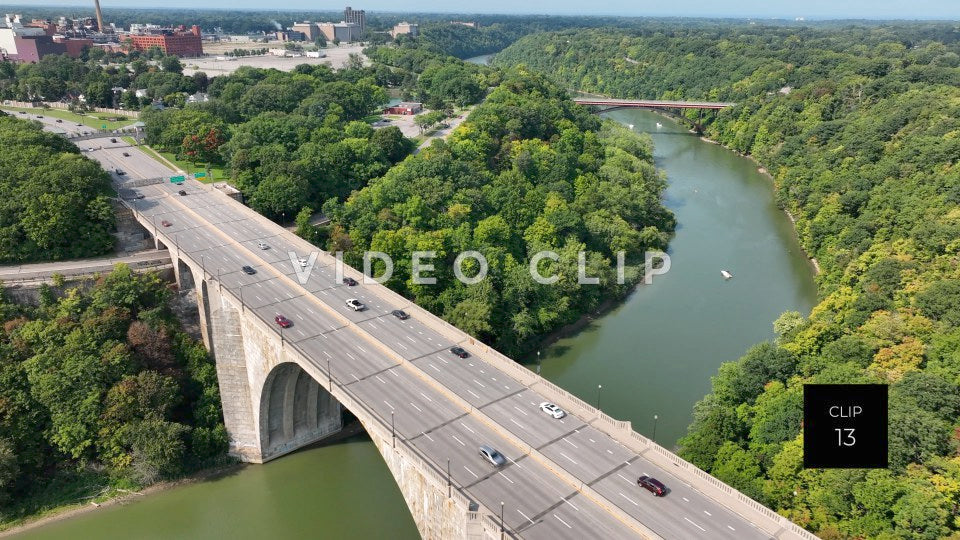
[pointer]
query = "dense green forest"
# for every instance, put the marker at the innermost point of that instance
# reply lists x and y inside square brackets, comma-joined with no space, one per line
[860,129]
[54,202]
[101,388]
[527,171]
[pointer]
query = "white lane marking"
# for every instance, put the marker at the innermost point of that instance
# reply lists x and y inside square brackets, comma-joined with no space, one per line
[402,345]
[686,499]
[411,339]
[458,440]
[562,521]
[481,371]
[469,471]
[434,367]
[361,349]
[571,504]
[591,440]
[526,517]
[467,428]
[425,397]
[474,394]
[628,498]
[355,377]
[568,457]
[394,373]
[352,357]
[519,466]
[480,383]
[609,452]
[326,353]
[521,410]
[731,528]
[372,326]
[381,380]
[415,407]
[708,513]
[311,311]
[297,315]
[625,478]
[517,423]
[427,436]
[695,525]
[570,443]
[505,476]
[388,405]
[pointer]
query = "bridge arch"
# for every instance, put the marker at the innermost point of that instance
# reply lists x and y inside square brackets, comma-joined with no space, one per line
[294,410]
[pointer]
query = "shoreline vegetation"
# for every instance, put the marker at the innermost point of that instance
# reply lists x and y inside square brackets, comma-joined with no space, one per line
[858,126]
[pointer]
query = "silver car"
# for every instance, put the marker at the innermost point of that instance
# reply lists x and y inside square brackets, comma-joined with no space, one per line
[492,456]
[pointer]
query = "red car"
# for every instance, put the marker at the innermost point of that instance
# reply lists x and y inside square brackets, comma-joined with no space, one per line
[283,321]
[652,485]
[166,223]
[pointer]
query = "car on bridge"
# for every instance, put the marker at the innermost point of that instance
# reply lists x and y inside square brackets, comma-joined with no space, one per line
[460,351]
[552,410]
[355,304]
[126,154]
[283,321]
[165,223]
[247,269]
[262,245]
[349,282]
[492,456]
[400,314]
[652,485]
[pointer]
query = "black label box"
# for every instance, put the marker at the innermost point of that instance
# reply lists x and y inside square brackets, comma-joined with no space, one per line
[845,426]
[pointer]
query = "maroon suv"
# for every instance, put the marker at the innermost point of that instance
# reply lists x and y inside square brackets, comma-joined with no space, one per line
[652,485]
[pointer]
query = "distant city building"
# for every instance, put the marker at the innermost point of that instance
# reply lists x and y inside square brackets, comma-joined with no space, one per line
[308,29]
[30,43]
[471,24]
[357,17]
[343,31]
[176,42]
[404,108]
[410,29]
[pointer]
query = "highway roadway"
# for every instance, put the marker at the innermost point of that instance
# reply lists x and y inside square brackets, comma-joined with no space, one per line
[538,496]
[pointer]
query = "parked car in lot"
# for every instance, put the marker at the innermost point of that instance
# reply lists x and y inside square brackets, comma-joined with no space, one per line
[552,410]
[247,269]
[460,351]
[165,223]
[349,281]
[355,304]
[400,314]
[492,456]
[652,485]
[283,321]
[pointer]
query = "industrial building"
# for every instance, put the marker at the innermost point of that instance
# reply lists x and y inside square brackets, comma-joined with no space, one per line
[344,32]
[176,41]
[405,28]
[30,42]
[357,17]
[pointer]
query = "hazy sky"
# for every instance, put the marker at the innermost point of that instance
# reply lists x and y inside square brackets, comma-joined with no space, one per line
[868,9]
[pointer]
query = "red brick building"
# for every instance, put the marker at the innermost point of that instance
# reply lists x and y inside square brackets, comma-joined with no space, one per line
[174,42]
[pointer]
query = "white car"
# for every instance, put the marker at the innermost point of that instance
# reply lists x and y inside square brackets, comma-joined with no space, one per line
[261,245]
[355,304]
[552,410]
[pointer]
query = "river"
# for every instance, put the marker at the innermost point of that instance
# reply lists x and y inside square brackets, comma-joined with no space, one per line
[654,354]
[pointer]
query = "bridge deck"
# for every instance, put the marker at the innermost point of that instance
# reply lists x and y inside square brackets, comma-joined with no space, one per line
[566,478]
[653,103]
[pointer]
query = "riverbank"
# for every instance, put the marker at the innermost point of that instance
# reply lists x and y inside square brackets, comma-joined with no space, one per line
[120,497]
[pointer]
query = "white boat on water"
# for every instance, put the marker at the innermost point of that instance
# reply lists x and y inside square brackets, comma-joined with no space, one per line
[725,274]
[630,126]
[659,125]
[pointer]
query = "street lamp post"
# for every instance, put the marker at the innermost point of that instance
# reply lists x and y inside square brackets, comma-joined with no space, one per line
[538,362]
[449,482]
[503,526]
[329,375]
[599,387]
[655,417]
[393,430]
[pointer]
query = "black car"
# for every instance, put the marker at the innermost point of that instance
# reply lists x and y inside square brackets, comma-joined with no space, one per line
[113,140]
[460,351]
[182,192]
[400,314]
[126,154]
[349,281]
[652,485]
[247,269]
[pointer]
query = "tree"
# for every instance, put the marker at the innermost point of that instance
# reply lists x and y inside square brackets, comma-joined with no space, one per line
[171,64]
[280,193]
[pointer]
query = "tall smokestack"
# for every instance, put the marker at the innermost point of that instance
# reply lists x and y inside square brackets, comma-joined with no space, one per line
[96,3]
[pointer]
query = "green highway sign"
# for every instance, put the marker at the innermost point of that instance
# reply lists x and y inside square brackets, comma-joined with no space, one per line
[104,126]
[199,175]
[177,179]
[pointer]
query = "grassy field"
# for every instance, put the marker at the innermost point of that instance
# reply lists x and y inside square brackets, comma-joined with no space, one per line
[94,120]
[217,174]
